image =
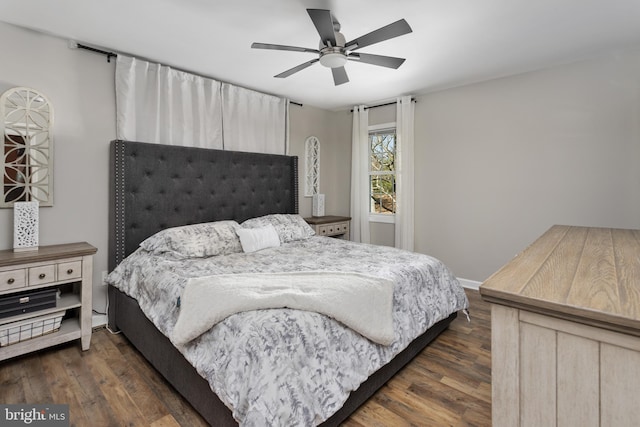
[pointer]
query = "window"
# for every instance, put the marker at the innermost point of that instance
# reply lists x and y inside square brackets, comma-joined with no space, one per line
[382,172]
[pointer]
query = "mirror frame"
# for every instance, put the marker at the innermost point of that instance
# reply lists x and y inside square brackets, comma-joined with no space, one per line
[312,166]
[27,114]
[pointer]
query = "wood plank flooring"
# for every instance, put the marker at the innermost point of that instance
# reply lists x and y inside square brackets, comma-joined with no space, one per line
[448,384]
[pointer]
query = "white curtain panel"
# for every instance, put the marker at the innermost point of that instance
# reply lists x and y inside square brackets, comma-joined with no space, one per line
[155,103]
[360,176]
[405,204]
[253,121]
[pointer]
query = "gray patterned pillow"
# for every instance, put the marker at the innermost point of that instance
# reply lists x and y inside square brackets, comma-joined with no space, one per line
[290,227]
[196,240]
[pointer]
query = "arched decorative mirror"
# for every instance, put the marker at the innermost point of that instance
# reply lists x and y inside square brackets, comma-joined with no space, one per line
[312,166]
[26,117]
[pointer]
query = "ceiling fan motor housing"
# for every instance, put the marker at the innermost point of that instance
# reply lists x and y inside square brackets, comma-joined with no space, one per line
[334,56]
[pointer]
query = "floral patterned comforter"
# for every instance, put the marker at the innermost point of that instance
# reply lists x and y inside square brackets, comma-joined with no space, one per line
[284,367]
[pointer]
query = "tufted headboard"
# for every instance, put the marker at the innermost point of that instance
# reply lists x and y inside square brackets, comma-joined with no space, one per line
[155,186]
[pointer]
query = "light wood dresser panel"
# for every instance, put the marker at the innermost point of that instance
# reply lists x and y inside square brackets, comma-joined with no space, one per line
[578,381]
[565,321]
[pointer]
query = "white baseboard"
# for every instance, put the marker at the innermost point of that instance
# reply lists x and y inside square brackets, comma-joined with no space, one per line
[469,284]
[98,320]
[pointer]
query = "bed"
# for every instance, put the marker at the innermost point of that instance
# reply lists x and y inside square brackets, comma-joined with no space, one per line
[157,187]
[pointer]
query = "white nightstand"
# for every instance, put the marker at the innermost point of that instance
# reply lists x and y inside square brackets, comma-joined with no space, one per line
[66,268]
[330,225]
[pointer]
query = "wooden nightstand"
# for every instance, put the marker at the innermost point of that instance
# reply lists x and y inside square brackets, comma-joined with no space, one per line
[66,268]
[330,225]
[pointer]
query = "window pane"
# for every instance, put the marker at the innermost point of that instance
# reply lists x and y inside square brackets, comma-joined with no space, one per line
[383,151]
[383,194]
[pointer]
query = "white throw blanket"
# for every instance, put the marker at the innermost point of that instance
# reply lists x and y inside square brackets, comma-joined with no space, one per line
[363,303]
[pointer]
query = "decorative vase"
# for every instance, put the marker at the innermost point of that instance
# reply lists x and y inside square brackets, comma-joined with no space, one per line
[25,226]
[318,205]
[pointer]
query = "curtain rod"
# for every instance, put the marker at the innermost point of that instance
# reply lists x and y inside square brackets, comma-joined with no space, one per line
[100,51]
[384,105]
[115,55]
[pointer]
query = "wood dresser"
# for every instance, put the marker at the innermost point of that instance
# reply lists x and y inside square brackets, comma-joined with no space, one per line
[565,330]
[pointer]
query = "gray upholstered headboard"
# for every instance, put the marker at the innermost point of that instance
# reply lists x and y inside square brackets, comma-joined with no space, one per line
[155,186]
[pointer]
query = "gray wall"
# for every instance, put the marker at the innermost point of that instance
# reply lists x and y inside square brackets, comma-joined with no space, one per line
[80,86]
[499,162]
[333,130]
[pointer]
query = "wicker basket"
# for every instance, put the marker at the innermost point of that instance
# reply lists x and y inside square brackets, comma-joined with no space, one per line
[15,332]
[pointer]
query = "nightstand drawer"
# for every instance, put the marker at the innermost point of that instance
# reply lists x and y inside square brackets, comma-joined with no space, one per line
[333,229]
[41,275]
[325,230]
[342,228]
[13,279]
[69,270]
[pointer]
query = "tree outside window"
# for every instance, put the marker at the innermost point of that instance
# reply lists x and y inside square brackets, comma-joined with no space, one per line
[382,172]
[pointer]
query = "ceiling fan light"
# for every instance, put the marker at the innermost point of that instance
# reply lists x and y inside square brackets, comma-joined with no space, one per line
[333,60]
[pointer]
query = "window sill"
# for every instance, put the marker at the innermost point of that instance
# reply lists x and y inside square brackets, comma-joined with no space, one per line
[386,219]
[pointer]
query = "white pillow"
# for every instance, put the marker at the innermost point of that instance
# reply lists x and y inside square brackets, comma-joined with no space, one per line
[255,239]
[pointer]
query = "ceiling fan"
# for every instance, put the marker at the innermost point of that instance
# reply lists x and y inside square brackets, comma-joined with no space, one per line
[334,51]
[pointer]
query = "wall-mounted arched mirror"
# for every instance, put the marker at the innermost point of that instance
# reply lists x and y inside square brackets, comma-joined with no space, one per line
[312,166]
[26,117]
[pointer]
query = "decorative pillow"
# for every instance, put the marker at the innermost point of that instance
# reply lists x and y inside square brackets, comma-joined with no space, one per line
[255,239]
[196,240]
[290,227]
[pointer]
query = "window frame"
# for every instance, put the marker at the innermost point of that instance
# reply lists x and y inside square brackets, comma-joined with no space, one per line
[378,217]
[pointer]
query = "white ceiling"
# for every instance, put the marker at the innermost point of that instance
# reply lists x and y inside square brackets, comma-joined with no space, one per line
[454,42]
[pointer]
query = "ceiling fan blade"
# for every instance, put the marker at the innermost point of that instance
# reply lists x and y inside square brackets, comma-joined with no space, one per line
[283,47]
[383,61]
[324,24]
[297,68]
[387,32]
[339,75]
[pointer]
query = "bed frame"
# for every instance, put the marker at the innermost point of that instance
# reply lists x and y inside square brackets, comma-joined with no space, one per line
[156,186]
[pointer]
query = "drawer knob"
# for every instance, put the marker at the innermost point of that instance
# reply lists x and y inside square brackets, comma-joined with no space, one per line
[11,280]
[69,271]
[42,275]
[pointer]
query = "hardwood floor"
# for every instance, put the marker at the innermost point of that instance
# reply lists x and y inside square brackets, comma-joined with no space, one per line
[448,384]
